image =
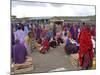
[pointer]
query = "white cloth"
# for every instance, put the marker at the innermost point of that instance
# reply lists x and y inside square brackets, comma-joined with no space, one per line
[74,42]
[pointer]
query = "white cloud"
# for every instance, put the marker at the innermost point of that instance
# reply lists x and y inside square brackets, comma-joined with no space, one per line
[22,9]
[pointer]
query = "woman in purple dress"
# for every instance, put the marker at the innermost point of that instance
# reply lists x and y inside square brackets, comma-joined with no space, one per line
[19,53]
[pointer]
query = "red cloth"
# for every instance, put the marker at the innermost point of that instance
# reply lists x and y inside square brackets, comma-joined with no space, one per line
[85,44]
[45,44]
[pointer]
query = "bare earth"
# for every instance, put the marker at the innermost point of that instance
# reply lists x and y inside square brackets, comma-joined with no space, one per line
[54,60]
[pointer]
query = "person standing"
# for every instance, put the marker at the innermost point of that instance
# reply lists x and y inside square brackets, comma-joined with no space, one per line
[19,53]
[85,48]
[20,35]
[54,31]
[29,43]
[38,32]
[26,28]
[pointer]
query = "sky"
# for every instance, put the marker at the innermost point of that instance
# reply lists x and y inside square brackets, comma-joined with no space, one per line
[34,9]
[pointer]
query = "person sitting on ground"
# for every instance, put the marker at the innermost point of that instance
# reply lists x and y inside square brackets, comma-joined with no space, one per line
[75,48]
[53,43]
[38,44]
[45,45]
[68,45]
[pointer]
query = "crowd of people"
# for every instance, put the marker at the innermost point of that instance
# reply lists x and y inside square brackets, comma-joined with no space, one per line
[25,38]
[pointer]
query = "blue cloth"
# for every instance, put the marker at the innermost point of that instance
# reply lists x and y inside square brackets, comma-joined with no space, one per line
[67,42]
[72,31]
[49,34]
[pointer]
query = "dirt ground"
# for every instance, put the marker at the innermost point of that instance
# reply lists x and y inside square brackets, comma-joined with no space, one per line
[54,60]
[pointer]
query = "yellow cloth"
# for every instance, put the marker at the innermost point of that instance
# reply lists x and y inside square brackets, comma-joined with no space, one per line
[94,63]
[27,40]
